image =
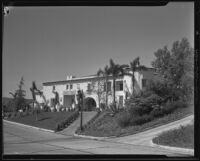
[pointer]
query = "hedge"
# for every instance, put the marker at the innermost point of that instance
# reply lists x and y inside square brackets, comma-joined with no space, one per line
[65,123]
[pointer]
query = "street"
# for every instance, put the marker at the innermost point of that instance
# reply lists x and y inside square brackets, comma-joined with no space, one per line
[24,140]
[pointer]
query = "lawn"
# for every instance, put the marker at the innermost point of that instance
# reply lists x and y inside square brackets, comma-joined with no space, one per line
[182,137]
[105,125]
[46,120]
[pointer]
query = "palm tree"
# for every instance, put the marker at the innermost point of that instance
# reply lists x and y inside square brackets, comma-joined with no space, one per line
[33,89]
[56,98]
[105,73]
[116,70]
[134,66]
[14,95]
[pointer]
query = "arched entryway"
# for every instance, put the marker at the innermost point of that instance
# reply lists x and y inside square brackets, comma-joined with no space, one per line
[89,104]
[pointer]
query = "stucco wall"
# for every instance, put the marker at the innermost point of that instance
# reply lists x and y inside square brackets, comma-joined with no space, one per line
[83,85]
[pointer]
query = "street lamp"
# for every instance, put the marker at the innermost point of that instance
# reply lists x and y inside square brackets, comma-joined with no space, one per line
[80,106]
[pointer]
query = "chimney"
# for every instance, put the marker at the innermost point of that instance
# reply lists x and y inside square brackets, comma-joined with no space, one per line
[70,77]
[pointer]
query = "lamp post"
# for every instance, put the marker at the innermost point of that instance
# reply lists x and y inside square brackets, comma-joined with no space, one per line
[80,104]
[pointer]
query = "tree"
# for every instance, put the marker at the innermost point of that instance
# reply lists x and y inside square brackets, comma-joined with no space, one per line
[18,97]
[56,99]
[134,66]
[34,90]
[97,87]
[115,71]
[105,73]
[176,66]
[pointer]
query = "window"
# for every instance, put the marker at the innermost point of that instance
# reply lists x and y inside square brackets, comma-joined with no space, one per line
[144,82]
[54,88]
[119,86]
[108,86]
[71,86]
[89,87]
[67,86]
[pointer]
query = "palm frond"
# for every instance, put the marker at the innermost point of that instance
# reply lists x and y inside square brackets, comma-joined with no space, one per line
[34,87]
[107,70]
[100,72]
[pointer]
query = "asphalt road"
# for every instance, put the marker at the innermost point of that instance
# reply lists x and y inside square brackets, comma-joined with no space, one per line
[25,140]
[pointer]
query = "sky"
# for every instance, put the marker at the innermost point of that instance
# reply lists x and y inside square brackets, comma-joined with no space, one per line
[46,44]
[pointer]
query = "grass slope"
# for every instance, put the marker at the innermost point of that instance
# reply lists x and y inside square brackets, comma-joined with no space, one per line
[105,125]
[183,137]
[47,120]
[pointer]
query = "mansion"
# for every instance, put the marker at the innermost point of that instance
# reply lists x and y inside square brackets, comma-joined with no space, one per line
[94,90]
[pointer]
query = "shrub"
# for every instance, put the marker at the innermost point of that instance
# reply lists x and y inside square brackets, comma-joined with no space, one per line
[58,127]
[180,104]
[147,93]
[170,107]
[67,122]
[62,108]
[9,115]
[124,119]
[103,106]
[156,112]
[139,120]
[140,110]
[14,114]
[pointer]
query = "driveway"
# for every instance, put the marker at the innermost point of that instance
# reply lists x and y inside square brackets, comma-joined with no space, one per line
[25,140]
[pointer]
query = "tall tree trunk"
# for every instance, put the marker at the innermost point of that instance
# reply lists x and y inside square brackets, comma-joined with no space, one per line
[106,92]
[114,91]
[133,83]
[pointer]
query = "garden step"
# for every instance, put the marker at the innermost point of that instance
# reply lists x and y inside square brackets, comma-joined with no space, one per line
[70,130]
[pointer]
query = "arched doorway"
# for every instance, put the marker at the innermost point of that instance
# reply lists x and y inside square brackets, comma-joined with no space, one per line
[89,104]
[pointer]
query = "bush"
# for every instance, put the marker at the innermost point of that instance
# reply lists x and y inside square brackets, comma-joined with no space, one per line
[103,106]
[9,115]
[124,119]
[58,127]
[46,108]
[180,104]
[156,112]
[169,107]
[67,122]
[139,120]
[140,110]
[14,114]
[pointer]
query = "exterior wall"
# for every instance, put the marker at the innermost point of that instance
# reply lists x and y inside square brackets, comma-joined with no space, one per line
[82,84]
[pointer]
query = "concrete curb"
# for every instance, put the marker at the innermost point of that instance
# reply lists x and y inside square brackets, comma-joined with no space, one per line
[180,150]
[41,129]
[93,137]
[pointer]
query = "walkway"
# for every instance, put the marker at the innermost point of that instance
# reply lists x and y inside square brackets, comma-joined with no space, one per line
[87,116]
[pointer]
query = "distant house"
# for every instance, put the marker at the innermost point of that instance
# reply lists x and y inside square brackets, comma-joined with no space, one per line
[67,89]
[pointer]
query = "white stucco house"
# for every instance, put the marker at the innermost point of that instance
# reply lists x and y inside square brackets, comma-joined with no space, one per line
[94,85]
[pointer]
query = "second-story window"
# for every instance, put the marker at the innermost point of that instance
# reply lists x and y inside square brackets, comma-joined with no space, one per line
[54,88]
[89,87]
[119,86]
[67,86]
[108,86]
[71,86]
